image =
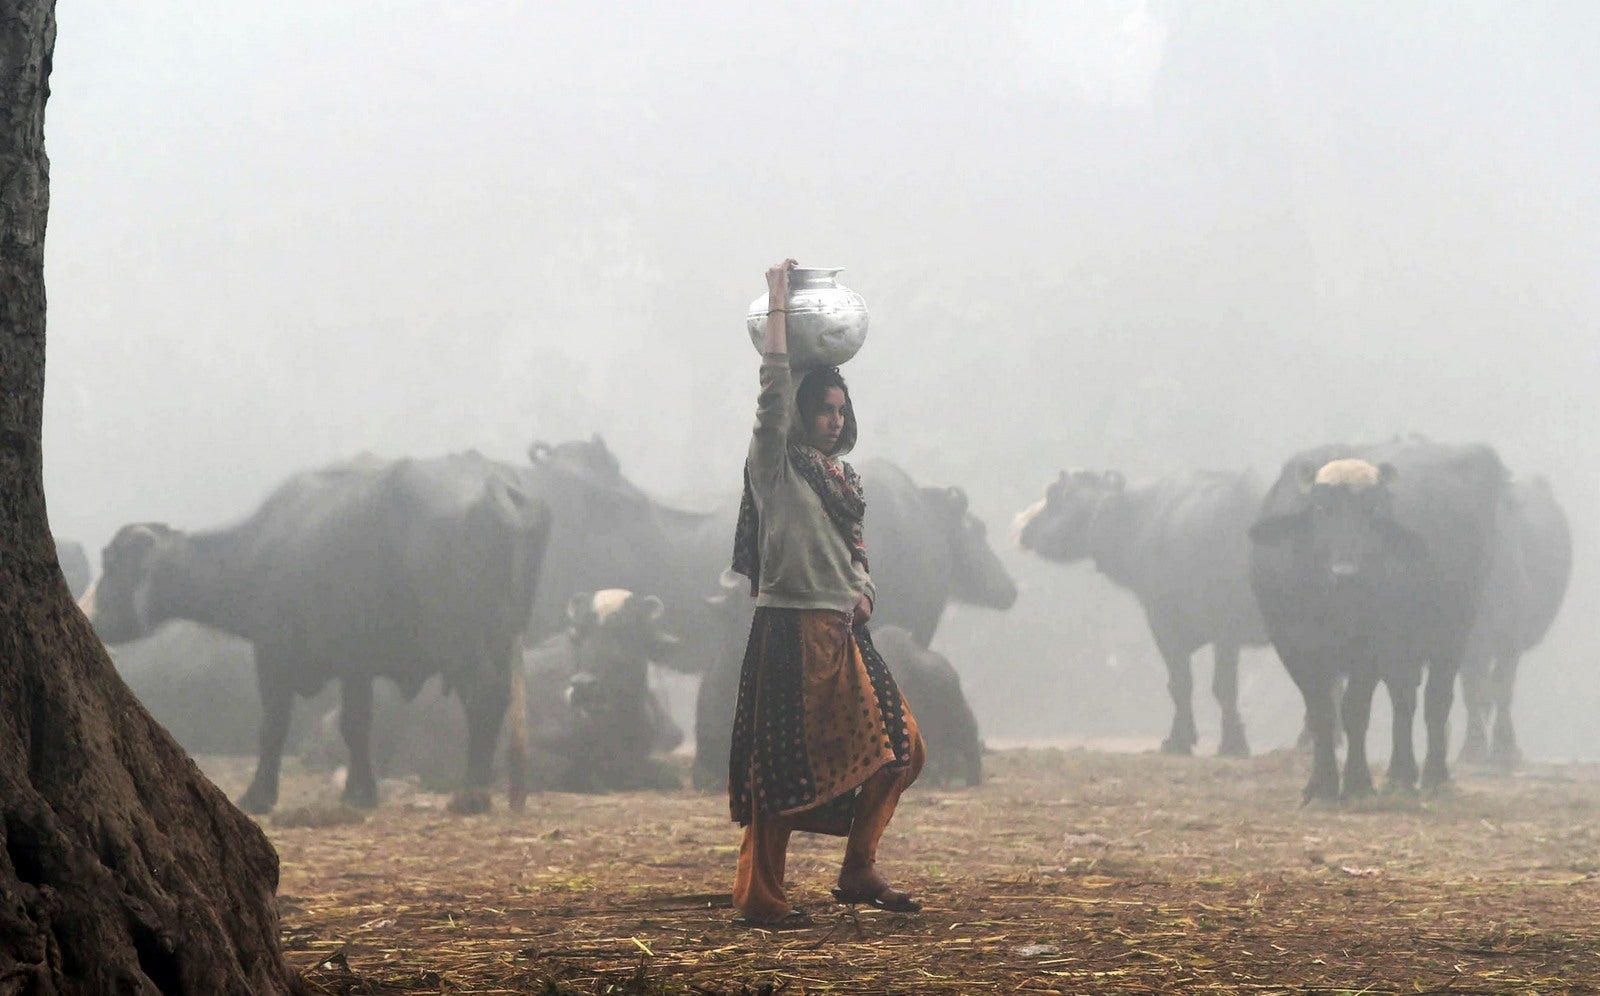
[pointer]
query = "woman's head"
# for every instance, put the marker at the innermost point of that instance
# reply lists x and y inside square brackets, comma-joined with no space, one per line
[827,418]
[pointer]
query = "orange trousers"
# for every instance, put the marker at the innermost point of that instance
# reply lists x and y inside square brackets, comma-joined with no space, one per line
[758,882]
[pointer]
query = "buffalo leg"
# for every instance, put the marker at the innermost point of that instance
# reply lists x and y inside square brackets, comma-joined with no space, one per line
[1437,694]
[1336,692]
[1180,684]
[1475,690]
[1225,686]
[1357,713]
[277,702]
[355,725]
[485,708]
[1504,750]
[1314,686]
[1403,753]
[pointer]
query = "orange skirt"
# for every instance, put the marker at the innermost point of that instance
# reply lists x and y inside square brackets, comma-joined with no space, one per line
[818,714]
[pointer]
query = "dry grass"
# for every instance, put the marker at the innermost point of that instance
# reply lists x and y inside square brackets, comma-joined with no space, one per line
[1068,872]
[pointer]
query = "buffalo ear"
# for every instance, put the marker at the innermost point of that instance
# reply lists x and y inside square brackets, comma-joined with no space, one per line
[958,498]
[652,607]
[1387,474]
[1276,528]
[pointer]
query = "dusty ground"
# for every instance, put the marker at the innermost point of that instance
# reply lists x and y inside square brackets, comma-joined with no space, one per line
[1069,871]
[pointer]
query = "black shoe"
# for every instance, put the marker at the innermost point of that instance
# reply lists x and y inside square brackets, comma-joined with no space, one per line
[792,920]
[887,899]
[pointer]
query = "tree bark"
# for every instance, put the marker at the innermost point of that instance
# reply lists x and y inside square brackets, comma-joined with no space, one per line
[123,869]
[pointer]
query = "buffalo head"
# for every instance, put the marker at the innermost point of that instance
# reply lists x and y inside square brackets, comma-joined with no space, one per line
[980,578]
[122,609]
[1341,520]
[1058,526]
[615,636]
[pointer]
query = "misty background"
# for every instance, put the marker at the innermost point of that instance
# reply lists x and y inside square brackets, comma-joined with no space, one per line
[1143,236]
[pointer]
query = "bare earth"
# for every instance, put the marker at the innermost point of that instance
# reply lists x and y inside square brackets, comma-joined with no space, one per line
[1069,871]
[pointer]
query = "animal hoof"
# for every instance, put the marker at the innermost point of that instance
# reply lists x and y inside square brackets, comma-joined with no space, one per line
[361,799]
[1233,748]
[257,802]
[1442,788]
[1357,793]
[470,802]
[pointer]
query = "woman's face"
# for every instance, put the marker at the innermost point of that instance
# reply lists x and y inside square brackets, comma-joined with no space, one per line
[827,422]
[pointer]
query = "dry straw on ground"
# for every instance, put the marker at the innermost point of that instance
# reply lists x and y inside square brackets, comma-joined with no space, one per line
[1067,872]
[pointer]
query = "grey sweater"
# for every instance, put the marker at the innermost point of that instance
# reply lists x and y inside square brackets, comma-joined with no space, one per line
[805,562]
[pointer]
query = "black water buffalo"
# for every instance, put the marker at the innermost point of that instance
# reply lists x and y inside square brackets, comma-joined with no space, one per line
[593,721]
[1182,546]
[927,549]
[369,568]
[1368,562]
[933,688]
[1532,564]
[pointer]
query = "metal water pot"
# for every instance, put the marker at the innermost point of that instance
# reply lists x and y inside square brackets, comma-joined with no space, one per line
[827,321]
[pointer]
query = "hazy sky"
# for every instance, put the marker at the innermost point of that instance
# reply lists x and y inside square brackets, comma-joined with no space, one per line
[1148,235]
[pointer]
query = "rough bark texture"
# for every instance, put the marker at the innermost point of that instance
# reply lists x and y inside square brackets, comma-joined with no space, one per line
[122,869]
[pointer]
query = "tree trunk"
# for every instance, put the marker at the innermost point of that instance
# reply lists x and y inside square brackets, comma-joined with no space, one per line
[123,870]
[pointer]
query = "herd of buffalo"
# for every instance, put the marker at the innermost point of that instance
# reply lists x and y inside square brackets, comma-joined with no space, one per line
[544,592]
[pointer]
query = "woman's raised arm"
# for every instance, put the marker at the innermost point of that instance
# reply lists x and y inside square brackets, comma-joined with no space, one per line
[777,301]
[767,447]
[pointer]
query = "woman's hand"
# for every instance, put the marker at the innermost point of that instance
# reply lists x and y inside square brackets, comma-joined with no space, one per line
[863,611]
[778,283]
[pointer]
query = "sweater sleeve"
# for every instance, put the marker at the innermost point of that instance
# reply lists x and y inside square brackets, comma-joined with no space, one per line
[769,443]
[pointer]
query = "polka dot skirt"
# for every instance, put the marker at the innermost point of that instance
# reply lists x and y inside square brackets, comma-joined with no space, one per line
[818,714]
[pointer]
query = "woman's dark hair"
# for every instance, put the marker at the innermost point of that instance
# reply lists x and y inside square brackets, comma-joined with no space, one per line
[808,401]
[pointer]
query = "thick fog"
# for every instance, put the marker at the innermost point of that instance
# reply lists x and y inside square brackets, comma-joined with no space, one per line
[1142,236]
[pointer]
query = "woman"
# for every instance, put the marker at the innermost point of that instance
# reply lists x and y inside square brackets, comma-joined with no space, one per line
[822,740]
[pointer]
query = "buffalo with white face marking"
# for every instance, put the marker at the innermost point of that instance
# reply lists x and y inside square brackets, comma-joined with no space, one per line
[593,721]
[1368,563]
[371,568]
[590,705]
[1181,545]
[1532,565]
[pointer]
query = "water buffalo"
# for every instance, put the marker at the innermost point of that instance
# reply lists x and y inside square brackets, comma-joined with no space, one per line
[1532,564]
[1368,562]
[593,721]
[369,568]
[933,688]
[1181,545]
[927,549]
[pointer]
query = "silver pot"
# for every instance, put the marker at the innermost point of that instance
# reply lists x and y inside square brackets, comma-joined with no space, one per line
[827,322]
